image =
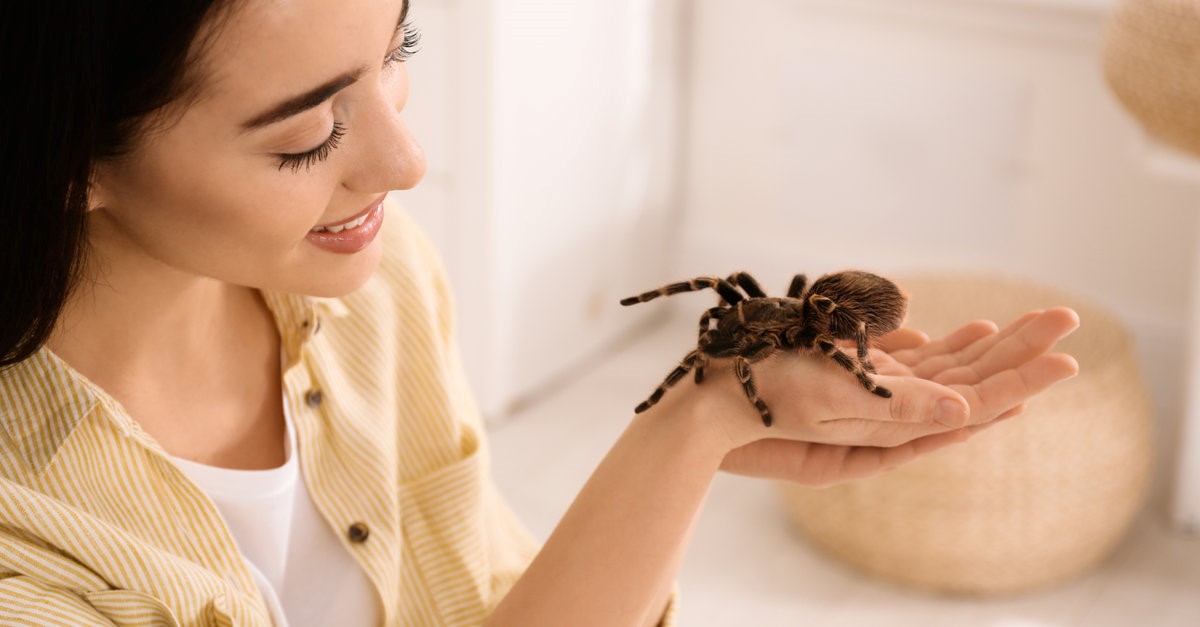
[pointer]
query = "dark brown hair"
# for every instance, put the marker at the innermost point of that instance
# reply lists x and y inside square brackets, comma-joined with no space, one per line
[87,79]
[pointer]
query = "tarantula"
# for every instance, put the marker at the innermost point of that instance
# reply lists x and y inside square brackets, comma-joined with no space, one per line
[849,305]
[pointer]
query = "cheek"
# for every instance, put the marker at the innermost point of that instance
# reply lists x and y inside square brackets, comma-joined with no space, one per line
[220,212]
[217,215]
[230,216]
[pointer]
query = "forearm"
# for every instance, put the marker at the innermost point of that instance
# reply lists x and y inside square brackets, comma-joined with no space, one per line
[612,558]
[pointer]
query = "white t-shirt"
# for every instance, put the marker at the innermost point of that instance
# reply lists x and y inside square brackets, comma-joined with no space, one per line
[304,572]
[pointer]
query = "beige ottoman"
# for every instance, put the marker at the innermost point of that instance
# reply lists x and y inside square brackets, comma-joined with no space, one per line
[1026,504]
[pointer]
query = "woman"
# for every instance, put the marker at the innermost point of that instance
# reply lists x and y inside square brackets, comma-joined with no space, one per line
[231,390]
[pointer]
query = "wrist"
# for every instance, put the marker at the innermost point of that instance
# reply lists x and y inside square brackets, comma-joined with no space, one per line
[701,417]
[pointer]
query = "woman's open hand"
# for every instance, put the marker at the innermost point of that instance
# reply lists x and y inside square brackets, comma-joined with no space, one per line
[829,429]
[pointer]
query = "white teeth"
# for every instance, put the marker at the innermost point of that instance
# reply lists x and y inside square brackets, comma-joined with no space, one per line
[345,226]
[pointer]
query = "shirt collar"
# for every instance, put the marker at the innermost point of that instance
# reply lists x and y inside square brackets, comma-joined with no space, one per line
[43,399]
[298,318]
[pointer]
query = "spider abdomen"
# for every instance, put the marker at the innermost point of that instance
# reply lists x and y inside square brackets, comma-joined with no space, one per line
[869,298]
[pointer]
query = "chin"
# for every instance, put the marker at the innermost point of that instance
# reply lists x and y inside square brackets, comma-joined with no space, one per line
[339,279]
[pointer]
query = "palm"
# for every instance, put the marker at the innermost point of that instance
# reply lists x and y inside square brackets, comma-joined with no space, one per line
[994,371]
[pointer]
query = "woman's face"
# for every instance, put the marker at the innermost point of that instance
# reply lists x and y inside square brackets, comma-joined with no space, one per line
[214,194]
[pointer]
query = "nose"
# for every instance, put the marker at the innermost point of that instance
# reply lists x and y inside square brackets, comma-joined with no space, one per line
[387,156]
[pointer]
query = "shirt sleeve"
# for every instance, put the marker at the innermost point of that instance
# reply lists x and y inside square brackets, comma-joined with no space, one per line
[27,601]
[40,585]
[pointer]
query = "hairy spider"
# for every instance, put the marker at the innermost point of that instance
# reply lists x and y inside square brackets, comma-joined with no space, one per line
[849,305]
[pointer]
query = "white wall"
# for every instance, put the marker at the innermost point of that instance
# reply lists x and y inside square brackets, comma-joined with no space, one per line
[551,136]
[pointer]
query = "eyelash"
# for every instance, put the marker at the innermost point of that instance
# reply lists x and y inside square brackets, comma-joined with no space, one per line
[306,160]
[316,155]
[407,48]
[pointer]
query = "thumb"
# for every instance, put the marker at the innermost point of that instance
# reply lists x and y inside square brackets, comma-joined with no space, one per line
[912,400]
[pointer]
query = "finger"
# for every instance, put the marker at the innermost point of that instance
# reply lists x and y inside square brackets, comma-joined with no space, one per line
[826,464]
[1032,339]
[955,341]
[1002,391]
[937,364]
[891,435]
[902,339]
[886,364]
[867,461]
[1012,412]
[912,401]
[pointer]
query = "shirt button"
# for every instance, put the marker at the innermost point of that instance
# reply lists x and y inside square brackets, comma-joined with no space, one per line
[315,324]
[313,398]
[358,532]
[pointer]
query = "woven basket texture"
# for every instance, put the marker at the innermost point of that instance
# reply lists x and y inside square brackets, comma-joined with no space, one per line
[1152,62]
[1029,503]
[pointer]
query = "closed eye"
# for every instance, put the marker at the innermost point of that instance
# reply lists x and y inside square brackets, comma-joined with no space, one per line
[407,48]
[311,157]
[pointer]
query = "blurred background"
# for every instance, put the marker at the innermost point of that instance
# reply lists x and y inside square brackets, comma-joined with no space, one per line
[584,151]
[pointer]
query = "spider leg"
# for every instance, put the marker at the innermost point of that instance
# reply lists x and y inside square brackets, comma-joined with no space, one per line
[747,283]
[684,366]
[842,321]
[727,291]
[732,280]
[741,368]
[706,317]
[860,339]
[701,363]
[704,324]
[851,365]
[845,319]
[822,303]
[796,290]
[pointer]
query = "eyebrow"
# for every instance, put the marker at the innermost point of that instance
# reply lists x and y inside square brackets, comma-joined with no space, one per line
[316,95]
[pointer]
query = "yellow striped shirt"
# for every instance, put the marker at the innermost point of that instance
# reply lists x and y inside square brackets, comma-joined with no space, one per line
[98,527]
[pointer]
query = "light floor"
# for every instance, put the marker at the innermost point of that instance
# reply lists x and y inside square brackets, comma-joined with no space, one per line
[746,567]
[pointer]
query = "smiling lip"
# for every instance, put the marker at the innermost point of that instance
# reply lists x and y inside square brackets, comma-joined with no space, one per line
[353,240]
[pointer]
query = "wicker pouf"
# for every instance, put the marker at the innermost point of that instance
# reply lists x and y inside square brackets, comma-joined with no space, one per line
[1026,504]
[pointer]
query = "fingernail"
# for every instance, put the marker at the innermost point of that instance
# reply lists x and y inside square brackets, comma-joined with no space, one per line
[950,413]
